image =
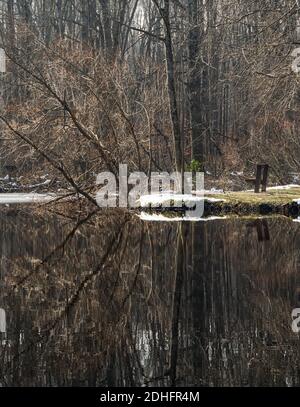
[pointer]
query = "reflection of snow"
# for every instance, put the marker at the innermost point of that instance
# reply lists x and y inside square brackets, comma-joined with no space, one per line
[146,346]
[158,217]
[2,321]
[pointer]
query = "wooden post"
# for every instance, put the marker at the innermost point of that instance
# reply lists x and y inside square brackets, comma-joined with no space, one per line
[258,178]
[265,177]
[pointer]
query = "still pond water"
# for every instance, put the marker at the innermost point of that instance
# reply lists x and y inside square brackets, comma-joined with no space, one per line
[110,300]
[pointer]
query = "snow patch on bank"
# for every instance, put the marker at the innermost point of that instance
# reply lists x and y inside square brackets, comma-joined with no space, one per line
[279,187]
[176,200]
[282,187]
[203,192]
[15,198]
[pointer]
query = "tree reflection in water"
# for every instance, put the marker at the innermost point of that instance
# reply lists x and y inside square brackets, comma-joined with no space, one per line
[110,300]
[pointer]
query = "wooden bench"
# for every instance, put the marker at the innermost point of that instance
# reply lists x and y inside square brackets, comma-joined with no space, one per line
[261,178]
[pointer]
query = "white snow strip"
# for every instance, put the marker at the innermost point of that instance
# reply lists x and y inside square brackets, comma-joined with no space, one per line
[279,187]
[297,201]
[237,173]
[214,191]
[202,192]
[158,217]
[12,198]
[296,220]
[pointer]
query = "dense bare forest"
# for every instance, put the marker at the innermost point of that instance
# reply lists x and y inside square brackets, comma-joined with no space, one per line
[156,84]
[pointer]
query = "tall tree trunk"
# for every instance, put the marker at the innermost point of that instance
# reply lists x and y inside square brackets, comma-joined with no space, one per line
[106,24]
[195,85]
[170,66]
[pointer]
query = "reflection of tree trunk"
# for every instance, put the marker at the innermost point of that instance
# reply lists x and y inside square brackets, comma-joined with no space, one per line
[180,266]
[198,297]
[111,374]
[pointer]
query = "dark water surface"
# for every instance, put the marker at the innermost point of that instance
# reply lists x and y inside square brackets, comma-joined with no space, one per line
[111,300]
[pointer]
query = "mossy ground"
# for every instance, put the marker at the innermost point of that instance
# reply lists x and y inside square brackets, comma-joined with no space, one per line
[273,197]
